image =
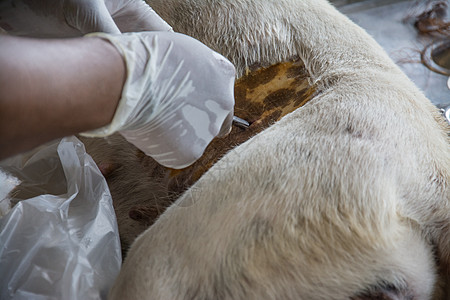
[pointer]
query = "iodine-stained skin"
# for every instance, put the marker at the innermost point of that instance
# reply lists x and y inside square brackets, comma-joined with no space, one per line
[263,97]
[142,189]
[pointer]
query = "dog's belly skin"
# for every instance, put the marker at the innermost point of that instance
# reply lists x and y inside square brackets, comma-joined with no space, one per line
[346,197]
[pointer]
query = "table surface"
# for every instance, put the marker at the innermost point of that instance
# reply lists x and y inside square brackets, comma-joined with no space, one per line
[387,21]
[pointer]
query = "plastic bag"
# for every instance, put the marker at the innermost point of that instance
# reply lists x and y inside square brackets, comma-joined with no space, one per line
[60,241]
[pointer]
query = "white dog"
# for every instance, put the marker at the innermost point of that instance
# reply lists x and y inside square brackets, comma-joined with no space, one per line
[347,197]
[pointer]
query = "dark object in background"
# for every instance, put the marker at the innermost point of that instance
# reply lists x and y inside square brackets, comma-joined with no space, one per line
[436,56]
[433,19]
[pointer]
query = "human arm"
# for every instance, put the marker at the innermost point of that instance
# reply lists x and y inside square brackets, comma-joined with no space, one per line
[171,127]
[177,95]
[54,88]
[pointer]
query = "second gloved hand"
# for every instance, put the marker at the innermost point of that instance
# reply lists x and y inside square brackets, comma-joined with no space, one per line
[65,18]
[178,96]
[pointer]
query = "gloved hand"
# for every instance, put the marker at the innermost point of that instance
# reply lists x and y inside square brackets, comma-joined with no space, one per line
[178,95]
[65,18]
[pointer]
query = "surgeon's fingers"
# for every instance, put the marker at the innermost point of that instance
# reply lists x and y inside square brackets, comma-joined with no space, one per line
[136,16]
[89,16]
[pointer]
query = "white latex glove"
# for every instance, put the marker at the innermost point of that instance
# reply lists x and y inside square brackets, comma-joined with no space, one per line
[66,18]
[178,96]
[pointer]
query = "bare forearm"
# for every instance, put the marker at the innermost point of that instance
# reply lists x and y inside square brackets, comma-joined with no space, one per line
[54,88]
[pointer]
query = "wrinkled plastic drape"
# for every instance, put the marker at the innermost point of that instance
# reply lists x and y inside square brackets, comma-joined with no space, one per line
[60,240]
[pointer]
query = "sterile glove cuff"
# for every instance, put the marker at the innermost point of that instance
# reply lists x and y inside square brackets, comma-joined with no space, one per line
[123,110]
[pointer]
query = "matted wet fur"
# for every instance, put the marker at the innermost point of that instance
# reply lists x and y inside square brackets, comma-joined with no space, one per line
[347,197]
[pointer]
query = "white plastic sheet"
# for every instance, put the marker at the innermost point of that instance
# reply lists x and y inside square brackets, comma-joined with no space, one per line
[60,241]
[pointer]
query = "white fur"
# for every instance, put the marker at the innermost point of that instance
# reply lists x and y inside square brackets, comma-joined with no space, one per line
[341,196]
[7,184]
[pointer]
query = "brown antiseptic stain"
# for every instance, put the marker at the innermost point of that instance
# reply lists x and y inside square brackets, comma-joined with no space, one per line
[262,97]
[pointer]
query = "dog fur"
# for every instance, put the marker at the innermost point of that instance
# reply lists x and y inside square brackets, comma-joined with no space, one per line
[346,197]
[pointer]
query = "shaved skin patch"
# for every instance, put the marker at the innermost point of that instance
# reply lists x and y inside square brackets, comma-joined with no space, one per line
[262,97]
